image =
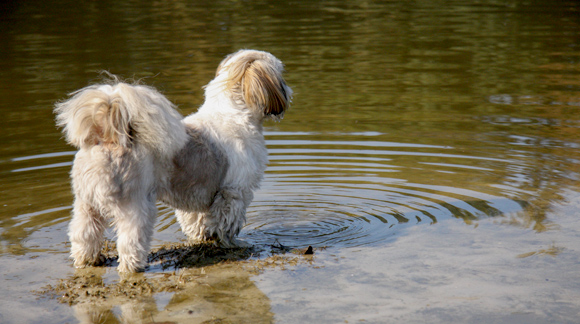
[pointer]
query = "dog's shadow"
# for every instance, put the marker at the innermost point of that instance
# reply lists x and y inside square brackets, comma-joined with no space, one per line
[183,255]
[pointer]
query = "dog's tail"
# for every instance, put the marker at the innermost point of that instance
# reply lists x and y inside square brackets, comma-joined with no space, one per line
[121,115]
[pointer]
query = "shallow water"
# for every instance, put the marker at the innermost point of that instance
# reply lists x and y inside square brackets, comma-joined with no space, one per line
[431,149]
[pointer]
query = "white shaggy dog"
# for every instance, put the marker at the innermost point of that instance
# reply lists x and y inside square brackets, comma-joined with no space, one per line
[135,148]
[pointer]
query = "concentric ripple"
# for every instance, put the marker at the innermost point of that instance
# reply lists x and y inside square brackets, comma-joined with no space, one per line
[321,189]
[356,190]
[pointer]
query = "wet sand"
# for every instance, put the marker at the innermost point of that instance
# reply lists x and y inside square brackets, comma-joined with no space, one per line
[184,283]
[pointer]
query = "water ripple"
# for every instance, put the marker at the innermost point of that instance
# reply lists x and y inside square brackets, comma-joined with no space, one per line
[355,192]
[328,189]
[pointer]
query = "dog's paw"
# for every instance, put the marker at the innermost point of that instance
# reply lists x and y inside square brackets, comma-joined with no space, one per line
[98,261]
[126,267]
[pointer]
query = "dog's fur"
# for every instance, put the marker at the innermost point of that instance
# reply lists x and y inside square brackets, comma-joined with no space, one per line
[135,149]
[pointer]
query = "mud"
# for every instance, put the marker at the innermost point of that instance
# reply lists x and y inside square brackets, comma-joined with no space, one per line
[173,268]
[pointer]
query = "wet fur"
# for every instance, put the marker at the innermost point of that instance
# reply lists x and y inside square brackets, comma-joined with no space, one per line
[135,149]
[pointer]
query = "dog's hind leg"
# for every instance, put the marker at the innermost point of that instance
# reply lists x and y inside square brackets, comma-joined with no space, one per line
[134,224]
[86,231]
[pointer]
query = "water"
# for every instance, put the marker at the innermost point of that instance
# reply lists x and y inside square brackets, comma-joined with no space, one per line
[432,149]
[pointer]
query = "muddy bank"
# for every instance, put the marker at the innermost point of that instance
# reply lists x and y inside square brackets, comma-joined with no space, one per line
[197,283]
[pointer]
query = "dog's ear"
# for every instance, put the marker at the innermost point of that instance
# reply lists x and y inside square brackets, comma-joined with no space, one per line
[259,75]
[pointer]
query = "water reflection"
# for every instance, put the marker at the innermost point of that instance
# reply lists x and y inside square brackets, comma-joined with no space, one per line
[405,113]
[216,294]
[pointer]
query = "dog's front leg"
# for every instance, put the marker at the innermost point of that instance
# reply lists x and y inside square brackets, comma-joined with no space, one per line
[222,222]
[134,225]
[228,216]
[203,226]
[86,231]
[193,224]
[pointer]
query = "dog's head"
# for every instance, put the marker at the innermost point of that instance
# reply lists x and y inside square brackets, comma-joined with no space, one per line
[255,77]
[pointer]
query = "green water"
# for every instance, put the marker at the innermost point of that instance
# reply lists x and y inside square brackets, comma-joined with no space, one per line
[414,124]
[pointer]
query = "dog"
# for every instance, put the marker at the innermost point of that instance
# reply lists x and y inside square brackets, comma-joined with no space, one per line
[135,148]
